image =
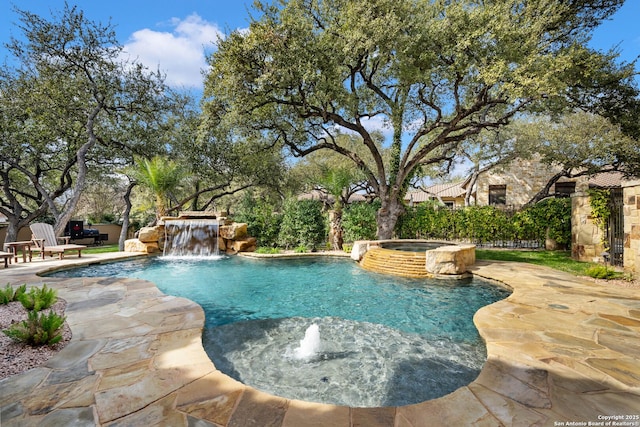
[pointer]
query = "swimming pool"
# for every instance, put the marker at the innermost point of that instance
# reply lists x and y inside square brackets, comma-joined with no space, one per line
[384,340]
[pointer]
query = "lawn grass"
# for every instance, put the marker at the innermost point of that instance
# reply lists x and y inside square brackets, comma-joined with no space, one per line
[558,260]
[100,249]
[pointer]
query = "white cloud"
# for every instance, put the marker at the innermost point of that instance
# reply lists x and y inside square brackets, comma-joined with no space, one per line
[180,54]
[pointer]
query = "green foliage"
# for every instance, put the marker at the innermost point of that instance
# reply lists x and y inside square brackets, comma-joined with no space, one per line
[263,220]
[38,298]
[485,224]
[600,210]
[160,175]
[303,223]
[600,272]
[8,294]
[301,249]
[66,102]
[306,71]
[104,218]
[267,250]
[38,329]
[359,221]
[550,218]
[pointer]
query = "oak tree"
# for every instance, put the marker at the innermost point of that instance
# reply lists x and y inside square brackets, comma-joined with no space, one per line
[429,73]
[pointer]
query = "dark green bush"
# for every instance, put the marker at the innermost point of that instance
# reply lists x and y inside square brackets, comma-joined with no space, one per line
[359,221]
[303,224]
[550,218]
[262,218]
[489,224]
[38,329]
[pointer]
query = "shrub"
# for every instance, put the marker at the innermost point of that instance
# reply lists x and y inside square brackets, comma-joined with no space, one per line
[303,224]
[301,249]
[267,250]
[359,221]
[263,222]
[8,294]
[482,224]
[38,329]
[550,218]
[600,272]
[38,299]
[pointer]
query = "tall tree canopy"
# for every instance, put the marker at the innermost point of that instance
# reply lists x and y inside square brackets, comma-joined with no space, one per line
[73,103]
[432,73]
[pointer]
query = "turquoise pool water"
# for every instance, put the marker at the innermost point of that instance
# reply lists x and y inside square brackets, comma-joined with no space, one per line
[385,340]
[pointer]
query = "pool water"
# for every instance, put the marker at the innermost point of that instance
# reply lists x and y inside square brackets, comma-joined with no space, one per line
[414,246]
[385,340]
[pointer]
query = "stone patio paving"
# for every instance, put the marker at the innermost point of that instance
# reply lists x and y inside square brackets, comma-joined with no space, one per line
[561,351]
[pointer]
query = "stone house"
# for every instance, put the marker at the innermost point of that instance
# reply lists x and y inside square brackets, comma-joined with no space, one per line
[515,184]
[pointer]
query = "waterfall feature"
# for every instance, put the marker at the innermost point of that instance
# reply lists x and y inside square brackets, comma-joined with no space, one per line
[191,238]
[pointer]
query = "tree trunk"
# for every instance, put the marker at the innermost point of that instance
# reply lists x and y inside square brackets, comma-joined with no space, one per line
[473,179]
[194,202]
[125,217]
[12,231]
[335,231]
[81,177]
[15,223]
[387,217]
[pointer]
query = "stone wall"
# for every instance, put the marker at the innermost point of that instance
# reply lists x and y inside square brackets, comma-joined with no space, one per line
[631,197]
[523,180]
[586,237]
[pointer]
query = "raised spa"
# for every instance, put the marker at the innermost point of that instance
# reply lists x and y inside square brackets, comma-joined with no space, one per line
[325,330]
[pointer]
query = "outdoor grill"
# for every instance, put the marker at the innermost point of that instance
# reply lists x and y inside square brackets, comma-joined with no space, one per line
[76,230]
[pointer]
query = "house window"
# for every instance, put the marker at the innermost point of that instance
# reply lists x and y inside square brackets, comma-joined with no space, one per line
[565,189]
[497,194]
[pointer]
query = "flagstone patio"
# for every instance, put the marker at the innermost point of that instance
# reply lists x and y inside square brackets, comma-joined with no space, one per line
[561,350]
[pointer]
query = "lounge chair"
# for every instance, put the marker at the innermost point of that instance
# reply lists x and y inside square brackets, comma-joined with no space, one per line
[46,242]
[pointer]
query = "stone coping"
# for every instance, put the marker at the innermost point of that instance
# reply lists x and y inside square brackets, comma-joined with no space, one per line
[561,351]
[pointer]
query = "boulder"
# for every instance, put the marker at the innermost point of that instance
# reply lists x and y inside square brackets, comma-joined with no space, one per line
[451,260]
[244,245]
[235,231]
[135,245]
[149,234]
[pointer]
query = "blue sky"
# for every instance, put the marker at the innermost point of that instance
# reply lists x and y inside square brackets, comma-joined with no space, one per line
[172,33]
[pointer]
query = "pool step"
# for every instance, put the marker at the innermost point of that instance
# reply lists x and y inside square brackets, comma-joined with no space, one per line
[399,263]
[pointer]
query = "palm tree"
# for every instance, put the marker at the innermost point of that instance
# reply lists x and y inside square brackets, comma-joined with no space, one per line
[162,176]
[336,181]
